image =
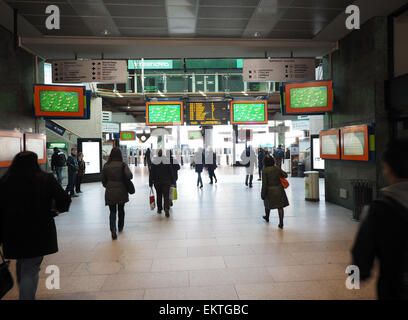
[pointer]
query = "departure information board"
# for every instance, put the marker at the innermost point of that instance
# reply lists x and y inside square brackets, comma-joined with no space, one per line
[207,113]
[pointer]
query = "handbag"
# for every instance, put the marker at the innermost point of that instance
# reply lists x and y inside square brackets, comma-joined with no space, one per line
[173,193]
[284,182]
[152,200]
[6,280]
[128,183]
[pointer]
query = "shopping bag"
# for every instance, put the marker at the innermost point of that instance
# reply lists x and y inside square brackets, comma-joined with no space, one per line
[171,193]
[284,182]
[152,200]
[175,193]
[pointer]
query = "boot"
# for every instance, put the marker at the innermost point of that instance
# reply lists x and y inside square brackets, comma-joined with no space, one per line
[281,214]
[266,216]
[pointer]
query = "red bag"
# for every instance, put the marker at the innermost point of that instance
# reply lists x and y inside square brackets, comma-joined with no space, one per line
[152,201]
[285,183]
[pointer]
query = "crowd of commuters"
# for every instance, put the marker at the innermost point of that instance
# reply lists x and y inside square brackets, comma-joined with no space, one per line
[382,233]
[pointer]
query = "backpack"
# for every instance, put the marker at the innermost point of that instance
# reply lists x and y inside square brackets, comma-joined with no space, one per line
[61,160]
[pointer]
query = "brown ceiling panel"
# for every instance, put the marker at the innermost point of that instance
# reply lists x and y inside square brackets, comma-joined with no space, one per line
[141,22]
[136,11]
[225,12]
[310,14]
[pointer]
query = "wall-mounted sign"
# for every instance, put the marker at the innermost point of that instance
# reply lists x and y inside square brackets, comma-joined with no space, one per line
[207,113]
[282,70]
[36,143]
[300,125]
[279,129]
[111,127]
[54,127]
[150,64]
[80,71]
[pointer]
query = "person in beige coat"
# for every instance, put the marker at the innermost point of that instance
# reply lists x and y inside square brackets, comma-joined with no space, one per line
[116,195]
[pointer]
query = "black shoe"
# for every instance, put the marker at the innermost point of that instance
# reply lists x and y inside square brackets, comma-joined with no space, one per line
[171,203]
[259,179]
[246,183]
[159,211]
[250,185]
[266,218]
[201,186]
[211,182]
[74,196]
[280,226]
[167,214]
[120,229]
[114,235]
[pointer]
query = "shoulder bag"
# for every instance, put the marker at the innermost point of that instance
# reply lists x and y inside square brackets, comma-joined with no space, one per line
[127,182]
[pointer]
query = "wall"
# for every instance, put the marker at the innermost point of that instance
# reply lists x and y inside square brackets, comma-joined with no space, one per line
[17,76]
[359,71]
[401,45]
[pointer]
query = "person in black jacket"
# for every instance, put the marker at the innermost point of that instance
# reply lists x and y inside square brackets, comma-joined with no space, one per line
[81,172]
[199,162]
[211,164]
[72,164]
[27,227]
[58,161]
[162,177]
[383,233]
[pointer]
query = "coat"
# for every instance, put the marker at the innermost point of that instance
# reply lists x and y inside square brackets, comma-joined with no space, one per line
[273,193]
[383,235]
[27,227]
[81,168]
[161,171]
[113,174]
[199,161]
[250,159]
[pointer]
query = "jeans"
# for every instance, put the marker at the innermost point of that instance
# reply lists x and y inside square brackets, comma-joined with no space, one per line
[71,183]
[199,180]
[260,171]
[27,277]
[112,217]
[78,183]
[58,171]
[251,177]
[163,193]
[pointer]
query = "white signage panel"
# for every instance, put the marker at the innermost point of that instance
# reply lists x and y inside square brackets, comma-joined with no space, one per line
[281,70]
[80,71]
[317,162]
[91,157]
[111,127]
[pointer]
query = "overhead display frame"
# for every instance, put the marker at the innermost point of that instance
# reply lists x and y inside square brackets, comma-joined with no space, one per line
[127,135]
[330,144]
[168,113]
[59,101]
[36,143]
[312,97]
[249,112]
[355,143]
[207,113]
[11,143]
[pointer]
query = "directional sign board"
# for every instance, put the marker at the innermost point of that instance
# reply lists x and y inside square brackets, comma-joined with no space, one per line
[80,71]
[281,70]
[207,113]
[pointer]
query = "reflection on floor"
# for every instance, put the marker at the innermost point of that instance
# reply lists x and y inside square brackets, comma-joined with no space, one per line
[215,245]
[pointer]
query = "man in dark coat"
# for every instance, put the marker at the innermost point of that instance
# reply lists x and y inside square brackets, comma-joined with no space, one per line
[58,161]
[72,164]
[279,156]
[162,177]
[211,164]
[383,232]
[261,157]
[31,199]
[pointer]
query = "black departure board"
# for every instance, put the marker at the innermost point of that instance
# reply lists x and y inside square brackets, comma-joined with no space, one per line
[207,113]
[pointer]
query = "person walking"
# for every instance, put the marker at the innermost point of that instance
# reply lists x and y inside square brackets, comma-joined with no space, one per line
[273,194]
[383,232]
[31,198]
[199,162]
[114,172]
[175,166]
[261,156]
[249,159]
[72,164]
[58,162]
[211,164]
[148,159]
[279,156]
[161,177]
[81,172]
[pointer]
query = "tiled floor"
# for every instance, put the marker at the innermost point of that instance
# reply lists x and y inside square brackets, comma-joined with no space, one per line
[215,245]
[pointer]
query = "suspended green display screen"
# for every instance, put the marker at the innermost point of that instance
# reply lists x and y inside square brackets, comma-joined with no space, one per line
[127,135]
[59,145]
[251,112]
[308,97]
[164,113]
[192,135]
[59,101]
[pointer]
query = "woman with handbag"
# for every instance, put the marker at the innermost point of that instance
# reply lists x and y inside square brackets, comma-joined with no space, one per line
[115,177]
[273,193]
[30,200]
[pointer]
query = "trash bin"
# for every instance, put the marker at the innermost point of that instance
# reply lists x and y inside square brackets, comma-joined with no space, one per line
[362,196]
[312,186]
[301,170]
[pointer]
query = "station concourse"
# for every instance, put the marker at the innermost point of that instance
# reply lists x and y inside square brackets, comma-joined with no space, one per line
[296,80]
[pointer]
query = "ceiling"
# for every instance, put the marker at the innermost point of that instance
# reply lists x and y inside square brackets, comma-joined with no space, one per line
[277,19]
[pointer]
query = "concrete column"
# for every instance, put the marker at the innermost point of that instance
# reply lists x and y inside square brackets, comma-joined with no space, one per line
[208,138]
